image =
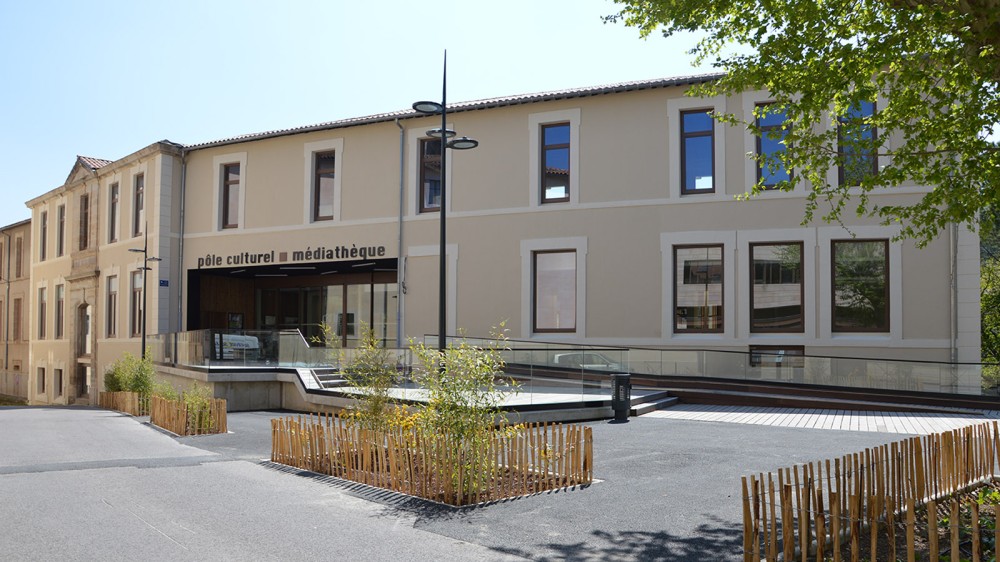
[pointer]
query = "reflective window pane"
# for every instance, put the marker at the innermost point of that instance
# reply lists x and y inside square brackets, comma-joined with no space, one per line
[555,163]
[776,289]
[697,122]
[698,164]
[698,289]
[555,291]
[860,286]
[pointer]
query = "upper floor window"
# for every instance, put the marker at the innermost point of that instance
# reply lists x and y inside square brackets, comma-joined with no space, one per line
[698,289]
[776,290]
[111,307]
[60,230]
[18,257]
[554,291]
[60,308]
[43,232]
[135,305]
[770,146]
[856,139]
[16,323]
[323,185]
[114,203]
[860,285]
[84,221]
[697,152]
[230,195]
[555,162]
[430,175]
[138,202]
[41,313]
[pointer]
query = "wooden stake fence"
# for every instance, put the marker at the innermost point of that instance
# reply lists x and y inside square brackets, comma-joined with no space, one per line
[175,416]
[128,402]
[508,463]
[858,498]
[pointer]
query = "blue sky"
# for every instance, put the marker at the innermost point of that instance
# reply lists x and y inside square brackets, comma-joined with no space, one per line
[106,78]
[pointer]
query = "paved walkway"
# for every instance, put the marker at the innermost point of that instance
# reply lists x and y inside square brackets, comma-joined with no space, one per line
[846,420]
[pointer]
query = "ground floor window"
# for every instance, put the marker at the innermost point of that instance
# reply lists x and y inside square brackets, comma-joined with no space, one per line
[345,308]
[860,285]
[41,380]
[57,382]
[698,284]
[554,291]
[776,290]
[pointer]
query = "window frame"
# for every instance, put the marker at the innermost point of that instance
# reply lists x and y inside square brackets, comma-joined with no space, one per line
[40,384]
[17,319]
[422,163]
[534,291]
[111,307]
[43,234]
[316,192]
[842,179]
[135,303]
[684,137]
[60,308]
[568,146]
[802,286]
[759,139]
[42,311]
[18,257]
[722,305]
[227,193]
[57,382]
[887,315]
[114,207]
[60,230]
[84,221]
[138,204]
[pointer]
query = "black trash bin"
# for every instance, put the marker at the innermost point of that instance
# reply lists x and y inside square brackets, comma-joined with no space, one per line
[621,397]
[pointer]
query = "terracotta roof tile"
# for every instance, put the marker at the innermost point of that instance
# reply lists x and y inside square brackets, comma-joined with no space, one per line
[93,163]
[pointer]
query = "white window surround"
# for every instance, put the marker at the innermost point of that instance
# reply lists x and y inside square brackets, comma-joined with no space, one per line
[697,238]
[528,249]
[535,122]
[825,238]
[451,252]
[147,184]
[104,208]
[101,308]
[750,100]
[309,151]
[413,136]
[807,236]
[674,108]
[217,163]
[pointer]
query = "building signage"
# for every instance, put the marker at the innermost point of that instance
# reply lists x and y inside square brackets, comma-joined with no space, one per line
[320,253]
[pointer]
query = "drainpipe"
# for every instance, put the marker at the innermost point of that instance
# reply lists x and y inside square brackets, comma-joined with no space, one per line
[953,234]
[180,257]
[399,252]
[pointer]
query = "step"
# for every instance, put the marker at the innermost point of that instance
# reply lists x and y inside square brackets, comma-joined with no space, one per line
[737,398]
[646,398]
[653,406]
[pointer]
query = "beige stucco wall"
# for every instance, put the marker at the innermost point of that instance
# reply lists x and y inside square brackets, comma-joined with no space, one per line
[15,364]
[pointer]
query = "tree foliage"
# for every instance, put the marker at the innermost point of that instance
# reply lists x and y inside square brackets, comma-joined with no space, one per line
[932,65]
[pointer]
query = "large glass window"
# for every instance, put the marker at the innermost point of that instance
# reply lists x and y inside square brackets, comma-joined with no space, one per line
[230,196]
[111,307]
[770,146]
[138,202]
[776,290]
[84,221]
[43,232]
[113,206]
[60,307]
[856,137]
[697,152]
[554,294]
[135,305]
[60,230]
[430,175]
[860,286]
[555,163]
[698,283]
[323,187]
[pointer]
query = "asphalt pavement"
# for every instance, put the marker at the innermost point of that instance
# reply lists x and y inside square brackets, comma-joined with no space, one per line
[89,484]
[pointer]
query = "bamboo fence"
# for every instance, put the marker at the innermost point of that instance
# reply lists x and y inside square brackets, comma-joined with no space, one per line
[175,416]
[128,402]
[511,462]
[808,512]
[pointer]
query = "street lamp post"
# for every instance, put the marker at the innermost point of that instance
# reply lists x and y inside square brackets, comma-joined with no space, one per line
[460,143]
[146,258]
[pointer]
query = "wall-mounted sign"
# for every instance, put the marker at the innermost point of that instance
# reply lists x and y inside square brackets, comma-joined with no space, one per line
[320,253]
[164,282]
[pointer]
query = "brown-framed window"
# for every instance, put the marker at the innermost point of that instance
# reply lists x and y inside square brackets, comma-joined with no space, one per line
[114,203]
[15,313]
[792,356]
[856,141]
[111,307]
[43,234]
[555,162]
[138,204]
[697,152]
[41,380]
[57,382]
[430,175]
[60,230]
[777,294]
[60,308]
[860,270]
[698,289]
[770,143]
[41,313]
[84,221]
[230,195]
[18,257]
[323,185]
[135,305]
[554,291]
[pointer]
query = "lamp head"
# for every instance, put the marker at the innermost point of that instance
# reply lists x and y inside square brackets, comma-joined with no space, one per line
[428,107]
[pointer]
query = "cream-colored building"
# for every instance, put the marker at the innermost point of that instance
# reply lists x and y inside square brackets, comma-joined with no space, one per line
[15,299]
[601,215]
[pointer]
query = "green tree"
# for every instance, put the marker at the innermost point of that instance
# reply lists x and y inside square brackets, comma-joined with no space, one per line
[936,64]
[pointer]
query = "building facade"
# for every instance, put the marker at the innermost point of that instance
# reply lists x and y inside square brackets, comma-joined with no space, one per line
[602,215]
[15,299]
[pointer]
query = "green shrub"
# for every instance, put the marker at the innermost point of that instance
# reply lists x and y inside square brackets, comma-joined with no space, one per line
[130,374]
[372,371]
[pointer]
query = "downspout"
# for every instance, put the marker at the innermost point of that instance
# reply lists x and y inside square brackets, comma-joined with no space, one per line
[953,234]
[399,252]
[180,256]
